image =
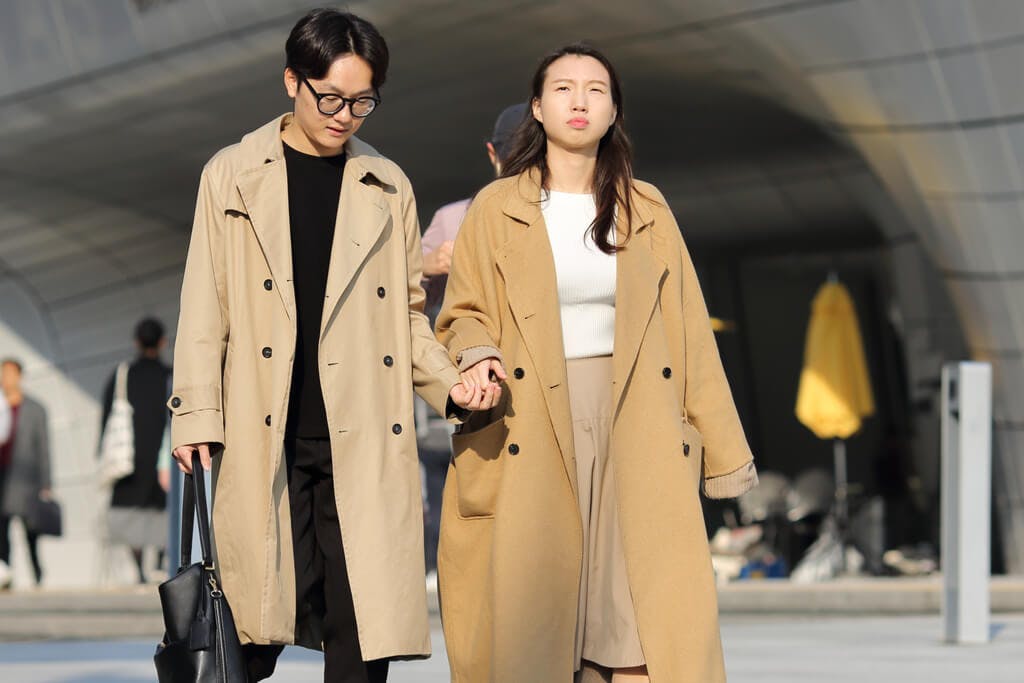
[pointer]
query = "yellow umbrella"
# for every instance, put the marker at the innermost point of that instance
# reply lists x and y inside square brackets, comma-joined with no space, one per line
[720,325]
[835,390]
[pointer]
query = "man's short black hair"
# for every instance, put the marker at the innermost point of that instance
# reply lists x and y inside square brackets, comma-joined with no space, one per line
[323,35]
[149,333]
[12,361]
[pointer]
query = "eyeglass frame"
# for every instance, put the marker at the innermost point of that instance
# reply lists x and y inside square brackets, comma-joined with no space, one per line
[345,101]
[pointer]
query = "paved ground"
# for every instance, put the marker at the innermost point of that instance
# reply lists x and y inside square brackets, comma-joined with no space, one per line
[758,650]
[134,612]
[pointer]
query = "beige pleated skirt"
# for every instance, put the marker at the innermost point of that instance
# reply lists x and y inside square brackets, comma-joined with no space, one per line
[606,630]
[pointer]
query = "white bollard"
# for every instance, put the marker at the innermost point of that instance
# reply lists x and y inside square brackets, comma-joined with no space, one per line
[966,500]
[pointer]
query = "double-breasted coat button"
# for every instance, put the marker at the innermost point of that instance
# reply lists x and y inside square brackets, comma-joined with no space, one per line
[396,428]
[686,449]
[389,361]
[267,352]
[513,448]
[519,373]
[175,402]
[381,292]
[267,420]
[666,372]
[268,284]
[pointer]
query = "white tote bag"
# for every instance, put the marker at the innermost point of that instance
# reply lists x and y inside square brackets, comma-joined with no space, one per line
[117,447]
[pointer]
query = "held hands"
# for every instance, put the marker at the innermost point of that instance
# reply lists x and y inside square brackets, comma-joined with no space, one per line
[480,389]
[439,261]
[481,386]
[183,454]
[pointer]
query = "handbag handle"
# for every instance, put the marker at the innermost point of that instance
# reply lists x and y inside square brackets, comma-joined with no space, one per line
[194,501]
[121,382]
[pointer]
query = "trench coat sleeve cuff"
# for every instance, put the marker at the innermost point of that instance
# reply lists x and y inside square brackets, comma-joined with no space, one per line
[468,357]
[448,378]
[200,426]
[731,485]
[196,416]
[455,413]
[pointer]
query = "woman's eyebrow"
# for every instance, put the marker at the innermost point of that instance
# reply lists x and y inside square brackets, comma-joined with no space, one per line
[572,80]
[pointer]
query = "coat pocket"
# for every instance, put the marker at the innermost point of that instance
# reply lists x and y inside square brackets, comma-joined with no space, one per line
[478,469]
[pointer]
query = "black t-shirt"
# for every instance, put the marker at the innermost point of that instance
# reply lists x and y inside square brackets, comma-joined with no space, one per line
[314,187]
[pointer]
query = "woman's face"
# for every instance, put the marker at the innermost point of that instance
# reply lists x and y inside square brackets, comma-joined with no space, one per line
[575,106]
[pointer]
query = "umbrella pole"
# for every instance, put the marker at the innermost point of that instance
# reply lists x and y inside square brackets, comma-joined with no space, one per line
[842,510]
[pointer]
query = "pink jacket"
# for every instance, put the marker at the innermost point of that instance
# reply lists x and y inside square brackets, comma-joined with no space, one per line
[444,226]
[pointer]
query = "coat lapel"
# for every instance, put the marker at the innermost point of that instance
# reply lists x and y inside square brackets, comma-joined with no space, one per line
[264,193]
[639,275]
[363,213]
[527,266]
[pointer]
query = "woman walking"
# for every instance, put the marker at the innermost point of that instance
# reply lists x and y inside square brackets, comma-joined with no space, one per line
[572,535]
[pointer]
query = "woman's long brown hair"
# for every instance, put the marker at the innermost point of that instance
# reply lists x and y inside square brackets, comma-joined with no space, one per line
[613,175]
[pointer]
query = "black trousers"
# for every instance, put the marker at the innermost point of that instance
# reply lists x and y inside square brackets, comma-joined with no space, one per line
[5,535]
[33,546]
[322,589]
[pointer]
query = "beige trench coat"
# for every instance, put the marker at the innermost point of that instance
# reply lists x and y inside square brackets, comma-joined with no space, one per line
[511,542]
[232,375]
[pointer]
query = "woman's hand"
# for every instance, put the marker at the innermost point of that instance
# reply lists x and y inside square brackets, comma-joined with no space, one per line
[183,454]
[481,385]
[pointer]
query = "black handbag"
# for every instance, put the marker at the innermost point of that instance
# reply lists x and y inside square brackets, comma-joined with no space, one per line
[200,642]
[46,518]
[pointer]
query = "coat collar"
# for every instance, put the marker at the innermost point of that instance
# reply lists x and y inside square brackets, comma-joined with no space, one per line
[263,196]
[263,146]
[526,263]
[523,203]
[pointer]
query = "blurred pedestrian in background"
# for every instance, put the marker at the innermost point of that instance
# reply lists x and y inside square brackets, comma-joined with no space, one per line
[24,465]
[432,430]
[137,516]
[439,238]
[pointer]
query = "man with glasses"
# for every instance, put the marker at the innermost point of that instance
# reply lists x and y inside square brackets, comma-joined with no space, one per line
[300,341]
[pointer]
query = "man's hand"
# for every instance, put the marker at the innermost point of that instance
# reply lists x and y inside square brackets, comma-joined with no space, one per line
[183,454]
[439,261]
[481,385]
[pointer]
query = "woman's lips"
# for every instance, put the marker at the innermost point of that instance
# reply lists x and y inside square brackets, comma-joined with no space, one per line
[579,123]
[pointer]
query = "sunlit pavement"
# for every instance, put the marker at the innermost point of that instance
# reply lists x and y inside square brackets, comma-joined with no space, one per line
[762,649]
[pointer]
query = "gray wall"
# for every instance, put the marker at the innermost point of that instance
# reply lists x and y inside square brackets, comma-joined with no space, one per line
[759,119]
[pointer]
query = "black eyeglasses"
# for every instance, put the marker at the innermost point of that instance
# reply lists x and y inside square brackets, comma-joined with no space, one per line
[330,104]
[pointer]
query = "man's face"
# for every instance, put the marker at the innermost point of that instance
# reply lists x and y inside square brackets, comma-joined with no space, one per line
[325,135]
[10,377]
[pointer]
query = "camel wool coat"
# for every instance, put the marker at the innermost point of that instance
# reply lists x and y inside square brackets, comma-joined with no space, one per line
[232,376]
[511,539]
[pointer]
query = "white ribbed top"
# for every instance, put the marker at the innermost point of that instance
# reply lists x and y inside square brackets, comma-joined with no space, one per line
[586,275]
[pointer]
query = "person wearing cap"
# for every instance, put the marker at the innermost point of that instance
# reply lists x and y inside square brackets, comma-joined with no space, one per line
[437,243]
[439,237]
